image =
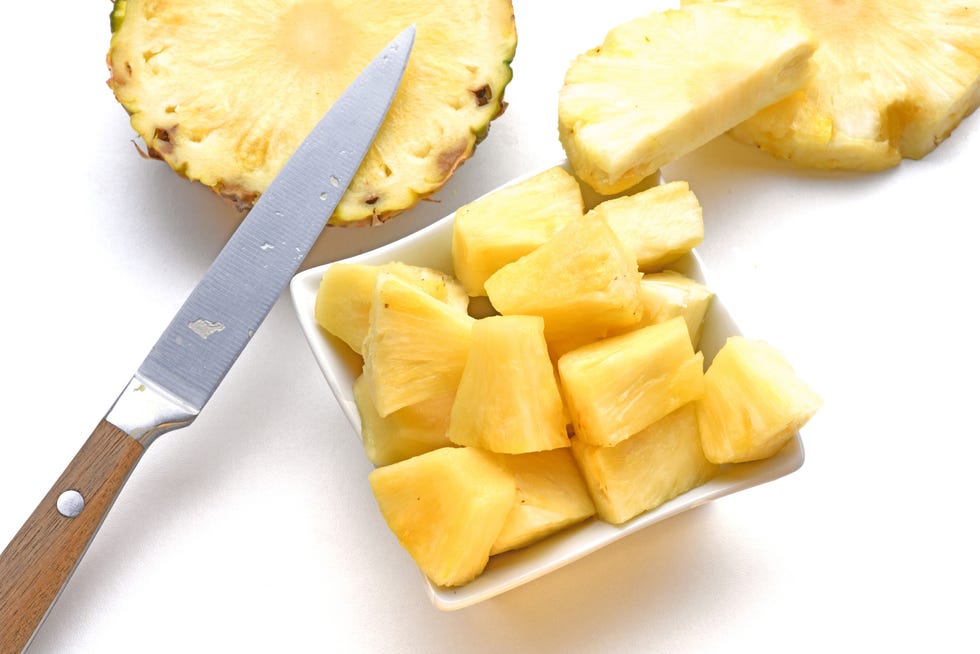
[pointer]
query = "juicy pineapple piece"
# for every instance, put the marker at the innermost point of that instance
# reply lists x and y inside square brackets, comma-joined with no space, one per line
[753,402]
[551,495]
[344,297]
[622,384]
[668,294]
[659,224]
[892,79]
[508,399]
[225,91]
[665,84]
[647,469]
[503,226]
[446,507]
[583,282]
[402,434]
[415,348]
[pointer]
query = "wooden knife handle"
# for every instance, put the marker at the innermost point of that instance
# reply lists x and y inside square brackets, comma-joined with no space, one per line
[41,557]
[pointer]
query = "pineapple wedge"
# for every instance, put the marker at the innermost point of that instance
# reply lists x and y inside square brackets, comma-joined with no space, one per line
[224,92]
[402,434]
[753,402]
[622,384]
[583,281]
[446,508]
[343,300]
[551,495]
[665,84]
[415,348]
[668,294]
[508,399]
[647,469]
[892,79]
[503,226]
[659,225]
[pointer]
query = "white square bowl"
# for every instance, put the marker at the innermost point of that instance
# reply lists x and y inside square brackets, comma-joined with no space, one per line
[431,246]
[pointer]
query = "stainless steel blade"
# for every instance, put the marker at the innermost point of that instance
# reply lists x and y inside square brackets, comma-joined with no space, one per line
[222,313]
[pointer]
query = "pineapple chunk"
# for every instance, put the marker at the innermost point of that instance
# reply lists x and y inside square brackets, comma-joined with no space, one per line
[753,402]
[583,282]
[665,84]
[659,224]
[669,294]
[508,399]
[892,79]
[647,469]
[551,495]
[620,385]
[402,434]
[344,297]
[446,507]
[503,226]
[415,348]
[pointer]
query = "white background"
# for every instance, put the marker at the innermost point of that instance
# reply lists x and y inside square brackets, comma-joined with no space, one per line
[255,530]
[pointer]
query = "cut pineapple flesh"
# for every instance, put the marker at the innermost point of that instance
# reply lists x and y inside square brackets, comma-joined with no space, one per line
[415,348]
[668,294]
[343,299]
[508,400]
[224,92]
[551,495]
[402,434]
[753,402]
[446,508]
[647,469]
[892,79]
[665,84]
[659,224]
[503,226]
[622,384]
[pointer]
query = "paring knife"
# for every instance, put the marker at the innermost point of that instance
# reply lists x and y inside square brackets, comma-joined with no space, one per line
[199,346]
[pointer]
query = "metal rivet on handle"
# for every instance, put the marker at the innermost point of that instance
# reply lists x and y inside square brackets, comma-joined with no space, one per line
[70,503]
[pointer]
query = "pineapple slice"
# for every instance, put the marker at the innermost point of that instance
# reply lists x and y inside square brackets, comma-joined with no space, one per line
[668,294]
[647,469]
[224,92]
[551,495]
[753,402]
[892,79]
[507,224]
[583,282]
[415,348]
[344,297]
[659,225]
[620,385]
[508,399]
[665,84]
[446,507]
[402,434]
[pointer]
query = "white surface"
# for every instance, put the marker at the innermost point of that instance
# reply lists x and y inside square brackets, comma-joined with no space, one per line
[254,529]
[432,247]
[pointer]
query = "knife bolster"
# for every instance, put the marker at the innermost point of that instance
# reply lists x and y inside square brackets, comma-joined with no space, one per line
[144,411]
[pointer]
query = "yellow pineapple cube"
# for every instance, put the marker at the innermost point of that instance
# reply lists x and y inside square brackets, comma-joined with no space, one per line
[668,294]
[583,281]
[503,226]
[551,495]
[446,507]
[344,297]
[659,225]
[402,434]
[753,402]
[622,384]
[647,469]
[415,348]
[508,399]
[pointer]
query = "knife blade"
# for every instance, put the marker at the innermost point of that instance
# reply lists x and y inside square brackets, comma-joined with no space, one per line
[198,347]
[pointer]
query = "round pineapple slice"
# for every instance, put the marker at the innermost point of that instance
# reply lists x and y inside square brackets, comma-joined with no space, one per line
[893,79]
[225,91]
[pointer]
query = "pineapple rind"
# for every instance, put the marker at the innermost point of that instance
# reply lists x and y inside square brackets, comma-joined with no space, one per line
[446,507]
[753,402]
[647,469]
